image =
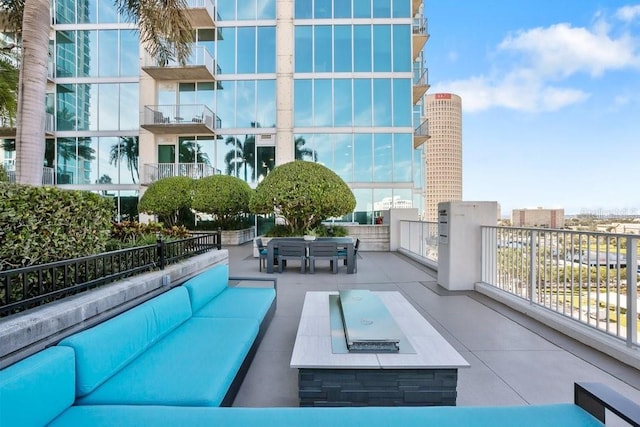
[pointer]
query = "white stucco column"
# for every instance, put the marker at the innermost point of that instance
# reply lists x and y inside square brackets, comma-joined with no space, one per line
[284,82]
[459,242]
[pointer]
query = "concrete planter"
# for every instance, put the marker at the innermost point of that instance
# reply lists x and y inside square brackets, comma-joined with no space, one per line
[238,237]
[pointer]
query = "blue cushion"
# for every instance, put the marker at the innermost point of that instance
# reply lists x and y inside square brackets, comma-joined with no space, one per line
[192,366]
[35,390]
[565,415]
[103,350]
[240,302]
[207,285]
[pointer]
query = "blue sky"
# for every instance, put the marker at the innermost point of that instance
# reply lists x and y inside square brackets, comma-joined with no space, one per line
[550,99]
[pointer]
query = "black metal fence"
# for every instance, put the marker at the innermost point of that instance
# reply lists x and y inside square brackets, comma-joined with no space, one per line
[27,287]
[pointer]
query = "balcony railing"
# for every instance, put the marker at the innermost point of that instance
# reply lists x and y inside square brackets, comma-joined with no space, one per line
[48,176]
[420,83]
[588,277]
[421,134]
[200,65]
[420,239]
[155,171]
[176,119]
[420,35]
[419,26]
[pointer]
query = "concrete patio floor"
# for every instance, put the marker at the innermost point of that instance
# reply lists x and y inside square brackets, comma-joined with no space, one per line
[514,360]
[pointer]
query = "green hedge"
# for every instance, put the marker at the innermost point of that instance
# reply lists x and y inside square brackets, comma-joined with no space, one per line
[46,224]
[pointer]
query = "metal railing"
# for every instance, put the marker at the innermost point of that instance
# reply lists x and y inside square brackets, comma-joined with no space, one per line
[589,277]
[180,114]
[419,26]
[420,238]
[28,287]
[48,176]
[420,76]
[155,171]
[423,129]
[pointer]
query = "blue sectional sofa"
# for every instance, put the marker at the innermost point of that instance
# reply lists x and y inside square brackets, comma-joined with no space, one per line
[175,359]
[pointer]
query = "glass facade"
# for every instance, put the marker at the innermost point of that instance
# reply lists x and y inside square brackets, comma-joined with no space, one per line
[352,101]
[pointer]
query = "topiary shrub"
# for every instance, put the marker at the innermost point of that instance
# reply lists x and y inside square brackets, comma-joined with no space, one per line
[304,193]
[3,175]
[224,196]
[166,197]
[46,224]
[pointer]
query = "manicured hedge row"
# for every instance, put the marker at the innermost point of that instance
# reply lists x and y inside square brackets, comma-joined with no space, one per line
[47,224]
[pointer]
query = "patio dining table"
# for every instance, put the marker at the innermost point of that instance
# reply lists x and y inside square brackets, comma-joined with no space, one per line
[342,242]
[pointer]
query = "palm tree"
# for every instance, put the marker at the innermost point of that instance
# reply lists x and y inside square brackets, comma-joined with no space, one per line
[301,152]
[126,150]
[164,31]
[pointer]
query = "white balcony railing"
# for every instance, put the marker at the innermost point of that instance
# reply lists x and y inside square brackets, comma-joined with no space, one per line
[588,277]
[155,171]
[48,176]
[420,239]
[180,114]
[204,4]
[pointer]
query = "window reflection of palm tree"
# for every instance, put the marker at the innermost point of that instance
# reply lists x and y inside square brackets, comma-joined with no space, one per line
[126,150]
[8,86]
[241,155]
[186,154]
[301,152]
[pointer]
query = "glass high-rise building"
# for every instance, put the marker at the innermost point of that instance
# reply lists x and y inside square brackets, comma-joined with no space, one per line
[340,82]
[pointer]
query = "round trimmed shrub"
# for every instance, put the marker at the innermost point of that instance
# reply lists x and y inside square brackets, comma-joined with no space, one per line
[304,193]
[166,197]
[224,196]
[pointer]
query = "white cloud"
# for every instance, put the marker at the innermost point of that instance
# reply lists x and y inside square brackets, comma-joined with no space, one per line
[562,50]
[628,13]
[512,92]
[532,68]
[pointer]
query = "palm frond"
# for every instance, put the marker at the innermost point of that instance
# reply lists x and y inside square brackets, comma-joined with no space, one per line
[164,29]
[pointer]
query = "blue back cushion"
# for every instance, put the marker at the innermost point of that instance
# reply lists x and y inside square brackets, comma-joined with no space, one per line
[105,349]
[207,285]
[37,389]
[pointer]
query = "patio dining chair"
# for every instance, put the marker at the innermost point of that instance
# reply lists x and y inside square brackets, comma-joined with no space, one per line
[262,252]
[289,250]
[342,253]
[323,250]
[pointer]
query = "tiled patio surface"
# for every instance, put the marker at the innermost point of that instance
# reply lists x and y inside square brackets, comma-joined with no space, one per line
[514,360]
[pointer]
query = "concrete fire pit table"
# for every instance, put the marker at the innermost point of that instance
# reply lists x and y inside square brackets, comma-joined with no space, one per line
[421,370]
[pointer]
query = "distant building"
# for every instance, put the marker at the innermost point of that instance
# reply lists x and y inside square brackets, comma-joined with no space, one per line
[443,151]
[546,218]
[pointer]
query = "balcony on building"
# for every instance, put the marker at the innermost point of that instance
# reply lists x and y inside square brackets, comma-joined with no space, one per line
[421,134]
[415,6]
[152,172]
[195,119]
[202,13]
[420,82]
[8,129]
[199,66]
[420,35]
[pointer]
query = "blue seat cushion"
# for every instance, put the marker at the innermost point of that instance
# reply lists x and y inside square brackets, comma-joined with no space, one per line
[565,415]
[103,350]
[192,366]
[35,390]
[207,285]
[240,302]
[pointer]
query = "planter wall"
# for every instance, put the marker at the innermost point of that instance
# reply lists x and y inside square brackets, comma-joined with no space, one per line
[238,237]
